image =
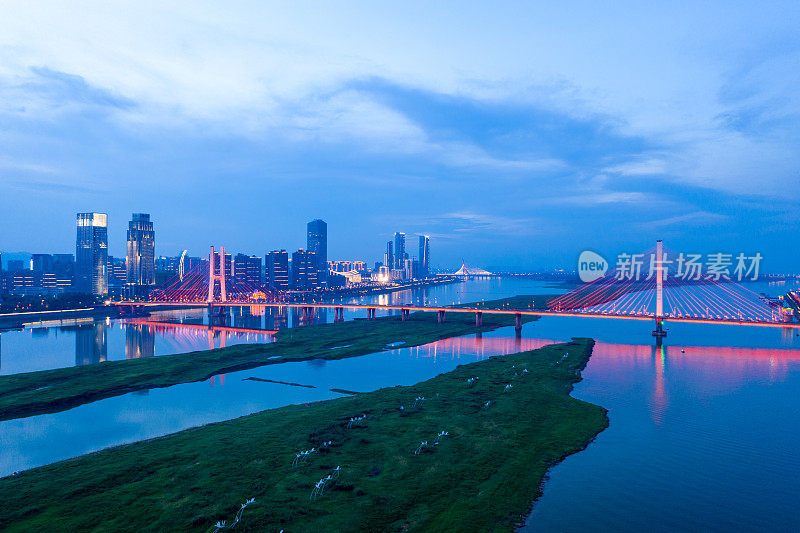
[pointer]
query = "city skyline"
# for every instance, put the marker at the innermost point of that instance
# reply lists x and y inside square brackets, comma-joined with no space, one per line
[512,152]
[140,239]
[316,238]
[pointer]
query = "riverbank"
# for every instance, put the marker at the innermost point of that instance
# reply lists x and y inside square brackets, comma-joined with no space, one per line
[505,429]
[334,294]
[10,321]
[520,302]
[56,390]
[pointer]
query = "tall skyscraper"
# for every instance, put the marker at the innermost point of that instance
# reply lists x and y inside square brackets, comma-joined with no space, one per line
[388,256]
[304,270]
[317,242]
[276,270]
[424,256]
[247,269]
[399,250]
[141,258]
[91,253]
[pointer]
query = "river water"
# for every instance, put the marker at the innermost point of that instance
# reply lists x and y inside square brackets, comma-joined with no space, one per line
[703,433]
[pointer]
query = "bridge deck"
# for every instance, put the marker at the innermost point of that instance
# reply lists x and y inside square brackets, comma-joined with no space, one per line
[537,312]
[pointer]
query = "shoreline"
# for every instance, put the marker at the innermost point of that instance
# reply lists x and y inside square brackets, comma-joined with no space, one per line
[16,321]
[483,475]
[49,391]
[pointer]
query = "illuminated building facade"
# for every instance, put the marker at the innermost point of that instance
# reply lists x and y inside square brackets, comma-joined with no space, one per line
[141,257]
[91,253]
[317,243]
[276,270]
[399,250]
[424,256]
[304,270]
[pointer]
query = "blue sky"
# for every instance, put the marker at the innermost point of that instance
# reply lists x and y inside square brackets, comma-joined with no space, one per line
[515,135]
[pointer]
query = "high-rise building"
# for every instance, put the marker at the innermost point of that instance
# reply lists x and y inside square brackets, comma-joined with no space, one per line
[276,270]
[91,253]
[304,270]
[424,256]
[388,255]
[317,242]
[408,269]
[141,258]
[15,265]
[247,269]
[117,272]
[42,263]
[399,250]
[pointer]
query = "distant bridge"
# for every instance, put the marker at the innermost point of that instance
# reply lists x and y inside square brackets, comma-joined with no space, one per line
[470,272]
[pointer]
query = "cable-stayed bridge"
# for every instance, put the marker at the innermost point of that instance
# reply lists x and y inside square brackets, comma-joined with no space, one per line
[654,286]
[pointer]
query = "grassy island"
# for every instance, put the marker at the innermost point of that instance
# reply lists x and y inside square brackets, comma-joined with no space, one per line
[56,390]
[508,419]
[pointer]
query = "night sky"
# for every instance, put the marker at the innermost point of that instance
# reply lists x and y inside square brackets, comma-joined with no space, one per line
[515,135]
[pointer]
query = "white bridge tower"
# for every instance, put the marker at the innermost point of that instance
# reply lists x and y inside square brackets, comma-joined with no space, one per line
[213,277]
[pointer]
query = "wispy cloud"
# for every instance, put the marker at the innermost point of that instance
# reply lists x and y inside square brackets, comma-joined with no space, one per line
[469,222]
[639,167]
[689,219]
[600,198]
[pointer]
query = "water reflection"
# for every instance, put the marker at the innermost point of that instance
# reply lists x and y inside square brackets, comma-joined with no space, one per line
[140,341]
[477,347]
[708,431]
[90,344]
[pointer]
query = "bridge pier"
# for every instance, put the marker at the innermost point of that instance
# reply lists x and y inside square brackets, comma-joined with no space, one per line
[404,314]
[478,319]
[371,313]
[440,316]
[659,332]
[518,322]
[339,314]
[216,314]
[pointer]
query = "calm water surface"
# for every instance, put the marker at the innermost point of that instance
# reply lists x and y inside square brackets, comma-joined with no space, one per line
[703,432]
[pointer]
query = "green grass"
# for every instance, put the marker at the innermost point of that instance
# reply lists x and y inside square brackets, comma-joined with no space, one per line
[56,390]
[482,477]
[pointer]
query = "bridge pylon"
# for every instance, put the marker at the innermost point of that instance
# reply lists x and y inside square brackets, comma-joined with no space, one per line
[659,332]
[213,276]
